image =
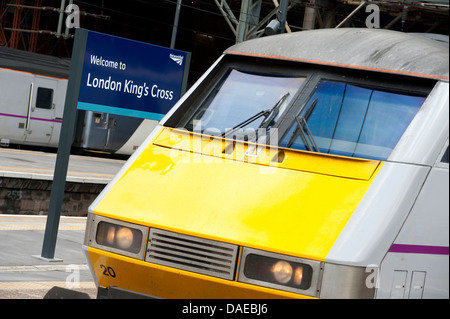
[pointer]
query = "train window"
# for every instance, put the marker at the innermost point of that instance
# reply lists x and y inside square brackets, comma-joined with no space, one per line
[44,98]
[242,103]
[445,158]
[349,120]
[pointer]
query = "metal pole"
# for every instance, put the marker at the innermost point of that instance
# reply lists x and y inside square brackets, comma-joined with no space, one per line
[278,25]
[243,21]
[363,3]
[14,41]
[64,146]
[35,26]
[175,25]
[309,19]
[282,14]
[61,16]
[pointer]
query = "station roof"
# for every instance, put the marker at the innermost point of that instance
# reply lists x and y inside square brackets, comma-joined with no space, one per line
[34,62]
[368,49]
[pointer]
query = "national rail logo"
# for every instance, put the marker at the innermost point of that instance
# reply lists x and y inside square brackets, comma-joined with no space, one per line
[177,58]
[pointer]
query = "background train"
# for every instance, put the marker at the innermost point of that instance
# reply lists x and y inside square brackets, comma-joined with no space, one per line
[32,96]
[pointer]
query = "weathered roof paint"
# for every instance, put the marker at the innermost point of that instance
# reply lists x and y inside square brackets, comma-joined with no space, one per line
[367,49]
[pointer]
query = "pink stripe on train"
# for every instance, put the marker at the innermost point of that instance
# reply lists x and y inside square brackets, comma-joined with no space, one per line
[419,249]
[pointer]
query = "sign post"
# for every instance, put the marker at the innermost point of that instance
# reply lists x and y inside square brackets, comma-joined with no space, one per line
[64,146]
[112,75]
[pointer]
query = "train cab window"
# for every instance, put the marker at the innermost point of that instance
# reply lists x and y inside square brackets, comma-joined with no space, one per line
[445,158]
[44,98]
[350,120]
[243,103]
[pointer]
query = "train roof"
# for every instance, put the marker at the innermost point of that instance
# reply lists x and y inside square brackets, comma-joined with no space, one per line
[34,63]
[368,49]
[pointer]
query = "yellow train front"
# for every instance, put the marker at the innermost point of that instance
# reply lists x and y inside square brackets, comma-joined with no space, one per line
[263,181]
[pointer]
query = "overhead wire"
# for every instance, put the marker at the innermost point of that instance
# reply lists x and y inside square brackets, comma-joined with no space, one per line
[237,13]
[189,5]
[156,21]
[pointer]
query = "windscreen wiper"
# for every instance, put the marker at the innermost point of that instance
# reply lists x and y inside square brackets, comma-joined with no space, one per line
[303,130]
[269,116]
[269,120]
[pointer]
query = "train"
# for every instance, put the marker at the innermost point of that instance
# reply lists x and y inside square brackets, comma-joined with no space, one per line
[32,96]
[311,164]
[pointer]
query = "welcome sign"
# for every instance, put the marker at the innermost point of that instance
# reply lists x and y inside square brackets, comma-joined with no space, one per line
[112,75]
[131,78]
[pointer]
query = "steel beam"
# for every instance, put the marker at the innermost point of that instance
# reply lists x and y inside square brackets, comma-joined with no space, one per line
[14,41]
[250,25]
[35,26]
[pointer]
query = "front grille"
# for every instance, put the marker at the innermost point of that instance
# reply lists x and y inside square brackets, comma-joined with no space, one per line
[208,257]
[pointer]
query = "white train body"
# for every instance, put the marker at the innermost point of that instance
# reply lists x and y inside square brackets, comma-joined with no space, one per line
[399,232]
[31,107]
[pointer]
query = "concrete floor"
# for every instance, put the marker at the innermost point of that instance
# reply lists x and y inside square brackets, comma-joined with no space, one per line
[23,276]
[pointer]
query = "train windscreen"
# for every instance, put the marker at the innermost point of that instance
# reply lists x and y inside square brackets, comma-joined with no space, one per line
[350,120]
[242,104]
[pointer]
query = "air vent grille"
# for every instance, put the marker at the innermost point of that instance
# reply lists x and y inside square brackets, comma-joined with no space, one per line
[191,253]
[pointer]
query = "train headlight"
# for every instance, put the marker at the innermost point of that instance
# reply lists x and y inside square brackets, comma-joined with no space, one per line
[282,271]
[279,271]
[125,238]
[116,236]
[119,237]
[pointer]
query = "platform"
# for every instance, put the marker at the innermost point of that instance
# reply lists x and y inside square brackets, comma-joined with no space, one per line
[40,165]
[26,181]
[25,185]
[23,276]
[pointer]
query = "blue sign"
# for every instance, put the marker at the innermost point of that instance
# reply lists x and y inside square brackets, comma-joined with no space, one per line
[130,78]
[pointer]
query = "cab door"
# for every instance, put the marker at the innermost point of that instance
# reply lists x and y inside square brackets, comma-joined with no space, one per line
[41,118]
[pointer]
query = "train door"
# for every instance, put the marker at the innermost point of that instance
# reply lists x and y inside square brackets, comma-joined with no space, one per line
[14,102]
[41,117]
